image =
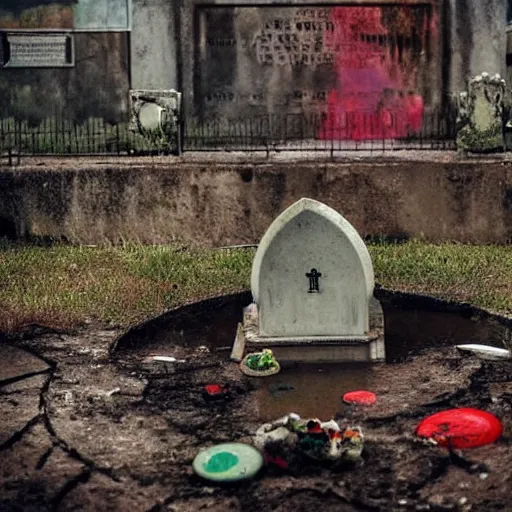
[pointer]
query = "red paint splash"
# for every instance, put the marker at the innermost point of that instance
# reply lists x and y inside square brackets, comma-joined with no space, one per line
[377,74]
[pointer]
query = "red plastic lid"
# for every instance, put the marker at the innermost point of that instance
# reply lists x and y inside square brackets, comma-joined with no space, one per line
[461,428]
[360,397]
[214,389]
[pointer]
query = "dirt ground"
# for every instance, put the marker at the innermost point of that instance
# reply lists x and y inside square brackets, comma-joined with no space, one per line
[90,432]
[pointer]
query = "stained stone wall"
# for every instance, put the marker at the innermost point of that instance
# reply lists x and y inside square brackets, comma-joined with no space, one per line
[96,85]
[314,60]
[437,198]
[326,57]
[236,59]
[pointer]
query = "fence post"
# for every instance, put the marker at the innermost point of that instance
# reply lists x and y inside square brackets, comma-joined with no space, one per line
[332,137]
[118,145]
[19,142]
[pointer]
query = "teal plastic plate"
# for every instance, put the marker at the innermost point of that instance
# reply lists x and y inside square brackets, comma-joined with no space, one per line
[228,462]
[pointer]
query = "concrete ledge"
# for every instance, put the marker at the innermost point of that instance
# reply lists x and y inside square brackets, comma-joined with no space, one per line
[324,354]
[310,340]
[369,348]
[211,203]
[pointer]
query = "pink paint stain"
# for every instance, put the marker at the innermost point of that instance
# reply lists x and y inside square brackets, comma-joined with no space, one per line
[374,97]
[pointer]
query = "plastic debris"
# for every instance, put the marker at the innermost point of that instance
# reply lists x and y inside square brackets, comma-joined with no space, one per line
[485,351]
[164,359]
[213,392]
[161,364]
[228,462]
[202,350]
[286,439]
[260,364]
[461,428]
[360,397]
[114,391]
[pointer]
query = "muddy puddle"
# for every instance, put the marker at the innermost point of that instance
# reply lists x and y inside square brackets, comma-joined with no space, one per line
[310,390]
[412,324]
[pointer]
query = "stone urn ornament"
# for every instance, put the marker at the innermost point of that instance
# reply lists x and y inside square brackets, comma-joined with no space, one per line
[480,118]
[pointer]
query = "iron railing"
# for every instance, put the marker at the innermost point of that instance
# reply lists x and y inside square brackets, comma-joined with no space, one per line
[58,136]
[346,131]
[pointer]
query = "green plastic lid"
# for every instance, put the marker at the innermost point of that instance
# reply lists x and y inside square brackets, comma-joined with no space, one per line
[228,462]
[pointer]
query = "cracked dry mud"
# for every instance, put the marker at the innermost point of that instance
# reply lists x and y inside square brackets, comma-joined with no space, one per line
[94,433]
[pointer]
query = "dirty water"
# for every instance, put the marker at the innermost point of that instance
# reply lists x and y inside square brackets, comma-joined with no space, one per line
[310,390]
[412,324]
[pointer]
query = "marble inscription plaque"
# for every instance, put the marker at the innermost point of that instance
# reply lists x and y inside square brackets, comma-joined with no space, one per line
[38,50]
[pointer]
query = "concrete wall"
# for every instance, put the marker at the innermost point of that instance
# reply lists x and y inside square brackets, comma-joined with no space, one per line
[478,39]
[221,204]
[467,37]
[96,87]
[164,51]
[154,38]
[232,57]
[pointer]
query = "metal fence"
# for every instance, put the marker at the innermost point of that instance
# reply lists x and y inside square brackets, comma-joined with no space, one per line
[57,136]
[346,131]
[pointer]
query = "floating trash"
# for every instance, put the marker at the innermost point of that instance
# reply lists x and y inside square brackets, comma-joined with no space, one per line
[461,428]
[360,397]
[260,364]
[228,462]
[216,392]
[163,359]
[485,351]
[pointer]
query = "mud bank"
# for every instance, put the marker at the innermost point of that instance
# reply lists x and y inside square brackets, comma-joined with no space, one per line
[97,433]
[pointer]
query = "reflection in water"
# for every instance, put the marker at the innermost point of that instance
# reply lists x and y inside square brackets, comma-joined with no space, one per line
[310,390]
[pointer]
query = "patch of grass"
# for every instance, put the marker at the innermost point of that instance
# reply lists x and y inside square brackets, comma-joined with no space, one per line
[479,274]
[64,286]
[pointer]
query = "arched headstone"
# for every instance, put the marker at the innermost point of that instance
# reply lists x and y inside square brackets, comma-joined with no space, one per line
[312,282]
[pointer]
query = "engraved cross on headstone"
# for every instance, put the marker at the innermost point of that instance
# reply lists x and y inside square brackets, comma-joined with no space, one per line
[313,280]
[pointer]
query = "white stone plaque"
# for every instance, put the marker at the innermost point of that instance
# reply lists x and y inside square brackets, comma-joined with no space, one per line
[29,50]
[312,276]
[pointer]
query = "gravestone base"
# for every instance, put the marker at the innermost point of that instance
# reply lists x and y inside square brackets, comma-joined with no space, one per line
[315,349]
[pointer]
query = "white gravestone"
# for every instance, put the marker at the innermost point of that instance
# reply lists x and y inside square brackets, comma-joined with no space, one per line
[312,282]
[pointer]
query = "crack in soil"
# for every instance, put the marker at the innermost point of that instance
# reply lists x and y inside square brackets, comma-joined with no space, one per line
[57,441]
[70,485]
[18,378]
[18,435]
[43,417]
[44,458]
